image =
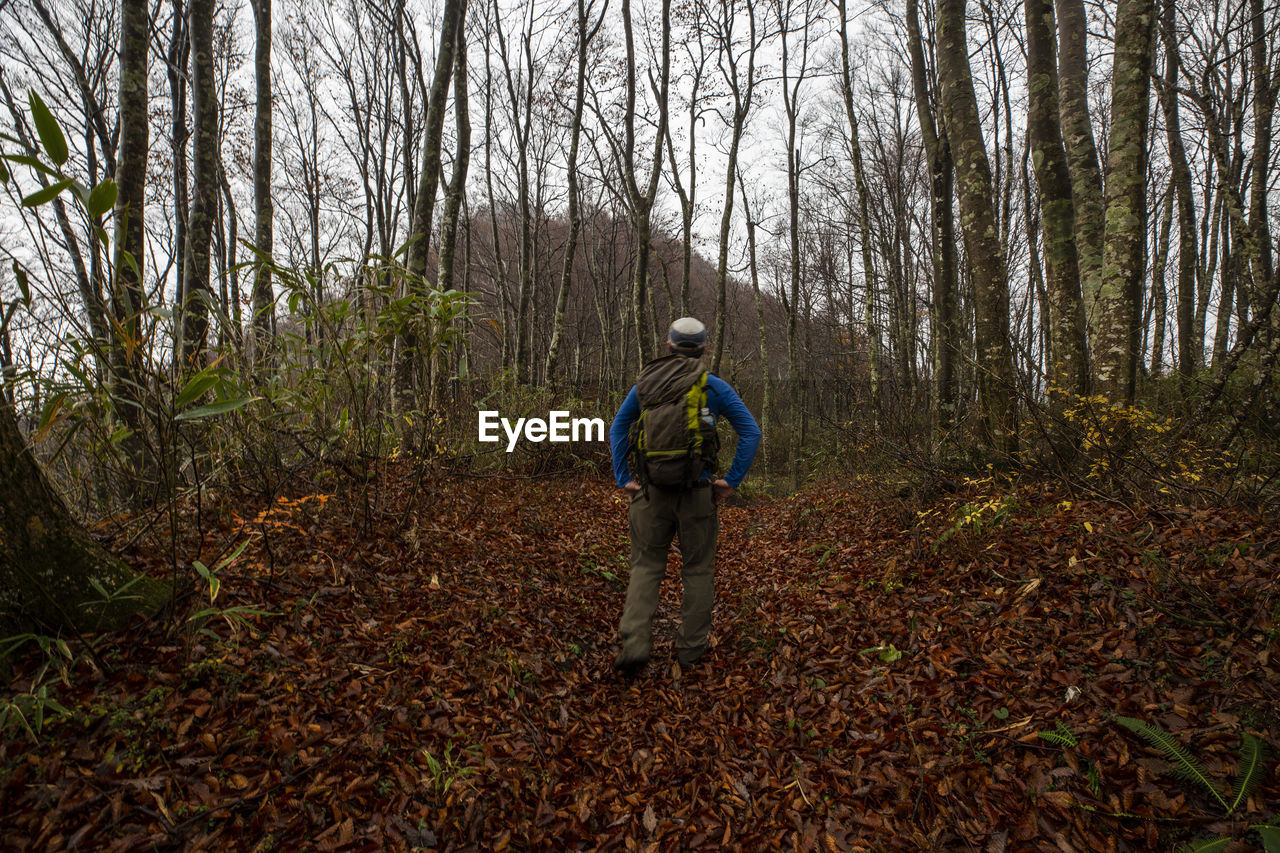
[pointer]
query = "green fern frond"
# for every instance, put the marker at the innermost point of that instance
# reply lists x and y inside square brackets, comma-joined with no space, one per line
[1184,765]
[1270,834]
[1252,754]
[1205,845]
[1062,736]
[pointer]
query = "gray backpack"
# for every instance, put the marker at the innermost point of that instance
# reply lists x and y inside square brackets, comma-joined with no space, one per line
[672,442]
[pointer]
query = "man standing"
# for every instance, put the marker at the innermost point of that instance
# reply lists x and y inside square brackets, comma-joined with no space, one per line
[664,444]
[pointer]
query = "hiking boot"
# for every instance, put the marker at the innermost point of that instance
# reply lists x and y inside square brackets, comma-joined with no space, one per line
[689,661]
[629,667]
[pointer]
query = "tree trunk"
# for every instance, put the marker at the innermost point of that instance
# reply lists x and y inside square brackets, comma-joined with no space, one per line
[178,56]
[941,170]
[128,300]
[1159,292]
[455,194]
[575,215]
[131,181]
[49,561]
[642,199]
[1082,152]
[1264,105]
[263,293]
[1124,257]
[762,329]
[197,297]
[456,189]
[743,99]
[996,387]
[864,217]
[1180,177]
[1069,372]
[407,355]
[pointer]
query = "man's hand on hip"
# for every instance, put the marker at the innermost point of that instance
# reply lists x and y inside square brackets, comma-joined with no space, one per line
[632,488]
[720,489]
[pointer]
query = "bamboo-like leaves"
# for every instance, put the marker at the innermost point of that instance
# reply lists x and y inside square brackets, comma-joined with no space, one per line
[102,198]
[55,144]
[47,194]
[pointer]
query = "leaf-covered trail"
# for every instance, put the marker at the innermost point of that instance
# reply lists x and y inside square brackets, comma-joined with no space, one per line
[444,682]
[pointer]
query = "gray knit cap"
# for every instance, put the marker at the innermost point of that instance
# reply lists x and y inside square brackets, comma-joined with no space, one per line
[687,335]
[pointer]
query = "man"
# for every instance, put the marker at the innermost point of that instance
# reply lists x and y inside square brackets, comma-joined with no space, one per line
[675,490]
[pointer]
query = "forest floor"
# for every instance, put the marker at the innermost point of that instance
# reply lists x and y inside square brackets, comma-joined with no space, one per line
[432,670]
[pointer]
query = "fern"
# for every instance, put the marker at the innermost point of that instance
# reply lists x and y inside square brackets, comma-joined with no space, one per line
[1205,845]
[1252,755]
[1185,766]
[1270,834]
[1061,736]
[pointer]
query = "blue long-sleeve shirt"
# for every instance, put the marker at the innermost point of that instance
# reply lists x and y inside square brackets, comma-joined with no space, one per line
[721,400]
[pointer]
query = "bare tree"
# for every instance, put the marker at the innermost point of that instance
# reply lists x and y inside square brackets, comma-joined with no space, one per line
[941,183]
[1124,256]
[1069,370]
[642,198]
[264,211]
[985,254]
[742,88]
[197,296]
[1180,177]
[1082,151]
[584,38]
[407,355]
[129,300]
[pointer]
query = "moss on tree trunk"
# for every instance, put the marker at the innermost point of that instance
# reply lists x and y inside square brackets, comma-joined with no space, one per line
[49,561]
[1124,252]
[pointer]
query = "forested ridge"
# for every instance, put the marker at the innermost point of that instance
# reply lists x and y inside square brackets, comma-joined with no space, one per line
[996,279]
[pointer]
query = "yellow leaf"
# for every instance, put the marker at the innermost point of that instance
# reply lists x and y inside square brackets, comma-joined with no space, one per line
[1088,527]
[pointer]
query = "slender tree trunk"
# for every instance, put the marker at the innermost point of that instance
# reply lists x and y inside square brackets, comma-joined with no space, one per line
[985,254]
[743,93]
[197,296]
[1124,258]
[407,355]
[263,292]
[233,243]
[941,170]
[575,215]
[454,196]
[1206,271]
[128,301]
[642,199]
[864,214]
[1159,292]
[1227,291]
[760,328]
[525,301]
[451,39]
[1264,105]
[1082,152]
[1069,372]
[456,188]
[178,56]
[1180,177]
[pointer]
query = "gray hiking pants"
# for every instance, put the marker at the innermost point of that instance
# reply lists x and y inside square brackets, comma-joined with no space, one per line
[655,520]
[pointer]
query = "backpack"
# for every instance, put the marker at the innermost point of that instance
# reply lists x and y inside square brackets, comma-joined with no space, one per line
[674,440]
